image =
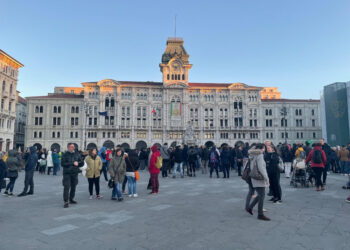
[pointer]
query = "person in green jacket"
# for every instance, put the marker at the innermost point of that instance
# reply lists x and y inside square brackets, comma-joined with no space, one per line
[56,161]
[13,165]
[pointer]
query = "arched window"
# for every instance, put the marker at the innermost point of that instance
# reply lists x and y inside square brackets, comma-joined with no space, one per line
[270,112]
[112,102]
[178,77]
[175,77]
[58,134]
[107,102]
[168,77]
[77,109]
[3,85]
[36,109]
[40,134]
[55,109]
[59,109]
[41,109]
[72,110]
[35,134]
[183,76]
[11,89]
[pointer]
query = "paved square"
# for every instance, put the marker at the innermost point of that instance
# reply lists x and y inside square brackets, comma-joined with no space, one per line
[189,213]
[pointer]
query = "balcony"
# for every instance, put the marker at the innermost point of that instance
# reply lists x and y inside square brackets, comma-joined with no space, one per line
[5,93]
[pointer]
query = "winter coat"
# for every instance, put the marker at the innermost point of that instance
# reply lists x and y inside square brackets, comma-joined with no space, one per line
[256,158]
[94,166]
[102,154]
[205,154]
[287,155]
[225,157]
[192,155]
[343,154]
[31,159]
[185,154]
[68,160]
[117,169]
[132,162]
[297,153]
[164,152]
[55,158]
[177,154]
[317,165]
[13,164]
[49,159]
[272,160]
[152,164]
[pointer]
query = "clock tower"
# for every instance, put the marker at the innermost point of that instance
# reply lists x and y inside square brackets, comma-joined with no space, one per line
[175,64]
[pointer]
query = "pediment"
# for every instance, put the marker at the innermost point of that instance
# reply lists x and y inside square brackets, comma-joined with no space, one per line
[238,85]
[108,83]
[177,85]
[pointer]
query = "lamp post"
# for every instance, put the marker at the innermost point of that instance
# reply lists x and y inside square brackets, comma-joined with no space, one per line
[85,122]
[284,114]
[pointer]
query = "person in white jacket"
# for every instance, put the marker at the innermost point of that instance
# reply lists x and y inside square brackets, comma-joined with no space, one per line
[49,162]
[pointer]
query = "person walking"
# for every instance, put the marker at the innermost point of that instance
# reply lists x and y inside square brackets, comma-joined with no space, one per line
[13,165]
[327,150]
[93,172]
[192,158]
[132,164]
[117,169]
[287,158]
[214,161]
[205,159]
[239,155]
[272,161]
[178,161]
[165,154]
[49,162]
[318,160]
[225,161]
[56,161]
[71,162]
[256,157]
[154,170]
[343,155]
[31,158]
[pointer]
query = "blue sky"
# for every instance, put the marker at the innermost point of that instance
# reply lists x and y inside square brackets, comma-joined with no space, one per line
[296,45]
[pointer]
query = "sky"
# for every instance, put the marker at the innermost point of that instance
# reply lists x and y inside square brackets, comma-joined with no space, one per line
[296,45]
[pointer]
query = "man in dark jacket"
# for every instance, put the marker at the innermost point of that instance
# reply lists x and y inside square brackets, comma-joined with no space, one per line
[205,159]
[327,149]
[178,161]
[71,162]
[30,158]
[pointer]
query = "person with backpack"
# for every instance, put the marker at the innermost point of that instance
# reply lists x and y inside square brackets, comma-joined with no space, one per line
[192,158]
[327,150]
[214,161]
[154,169]
[13,165]
[256,160]
[117,169]
[300,153]
[318,160]
[165,153]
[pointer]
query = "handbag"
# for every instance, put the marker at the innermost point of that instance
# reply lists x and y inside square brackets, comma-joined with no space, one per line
[137,174]
[280,165]
[111,183]
[246,171]
[255,173]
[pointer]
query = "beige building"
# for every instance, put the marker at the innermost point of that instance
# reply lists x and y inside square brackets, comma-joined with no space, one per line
[8,79]
[270,93]
[140,114]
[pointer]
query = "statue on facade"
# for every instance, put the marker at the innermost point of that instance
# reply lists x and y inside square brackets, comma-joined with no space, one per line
[189,137]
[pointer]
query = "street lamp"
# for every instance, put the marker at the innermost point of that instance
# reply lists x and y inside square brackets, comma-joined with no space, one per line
[85,122]
[284,114]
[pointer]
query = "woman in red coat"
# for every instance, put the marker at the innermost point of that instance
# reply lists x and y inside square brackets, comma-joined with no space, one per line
[153,170]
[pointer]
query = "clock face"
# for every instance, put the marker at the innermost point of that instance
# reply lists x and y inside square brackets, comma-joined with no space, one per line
[176,66]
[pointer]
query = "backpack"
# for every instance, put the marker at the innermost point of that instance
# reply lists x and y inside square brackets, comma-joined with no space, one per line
[42,162]
[159,162]
[317,157]
[213,157]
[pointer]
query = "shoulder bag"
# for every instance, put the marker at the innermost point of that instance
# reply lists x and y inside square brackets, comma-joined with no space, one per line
[255,173]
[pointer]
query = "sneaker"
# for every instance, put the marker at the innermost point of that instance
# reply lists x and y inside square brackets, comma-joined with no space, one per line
[99,196]
[21,195]
[91,197]
[10,194]
[130,195]
[5,193]
[136,195]
[113,199]
[277,202]
[265,210]
[66,205]
[263,217]
[73,202]
[120,199]
[30,193]
[272,199]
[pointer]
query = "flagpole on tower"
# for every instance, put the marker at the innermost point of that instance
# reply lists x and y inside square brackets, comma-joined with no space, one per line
[175,27]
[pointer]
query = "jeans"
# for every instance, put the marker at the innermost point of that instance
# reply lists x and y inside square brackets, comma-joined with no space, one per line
[191,168]
[239,166]
[56,167]
[131,184]
[94,181]
[49,170]
[250,193]
[104,170]
[124,184]
[324,176]
[165,167]
[29,181]
[11,184]
[274,178]
[259,199]
[344,167]
[70,182]
[226,170]
[205,164]
[318,172]
[155,183]
[116,191]
[176,167]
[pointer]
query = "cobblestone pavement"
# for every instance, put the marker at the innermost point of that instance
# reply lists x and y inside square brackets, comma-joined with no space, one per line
[189,213]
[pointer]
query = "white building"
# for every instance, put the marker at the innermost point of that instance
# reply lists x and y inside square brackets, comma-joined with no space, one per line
[8,79]
[139,114]
[20,123]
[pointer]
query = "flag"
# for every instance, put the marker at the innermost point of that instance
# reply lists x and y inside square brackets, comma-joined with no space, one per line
[103,113]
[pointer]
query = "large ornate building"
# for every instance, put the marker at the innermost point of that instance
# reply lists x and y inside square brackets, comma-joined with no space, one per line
[139,114]
[8,94]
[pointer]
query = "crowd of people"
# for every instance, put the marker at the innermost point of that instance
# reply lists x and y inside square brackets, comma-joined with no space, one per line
[260,164]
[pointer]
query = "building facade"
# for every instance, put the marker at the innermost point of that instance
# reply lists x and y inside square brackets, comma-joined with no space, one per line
[8,79]
[20,123]
[139,114]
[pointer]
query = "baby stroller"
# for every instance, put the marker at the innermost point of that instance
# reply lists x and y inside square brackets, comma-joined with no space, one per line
[299,174]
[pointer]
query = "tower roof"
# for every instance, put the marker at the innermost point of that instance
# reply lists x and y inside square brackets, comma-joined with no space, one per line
[175,47]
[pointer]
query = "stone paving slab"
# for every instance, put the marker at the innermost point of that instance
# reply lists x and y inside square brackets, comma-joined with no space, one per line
[189,213]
